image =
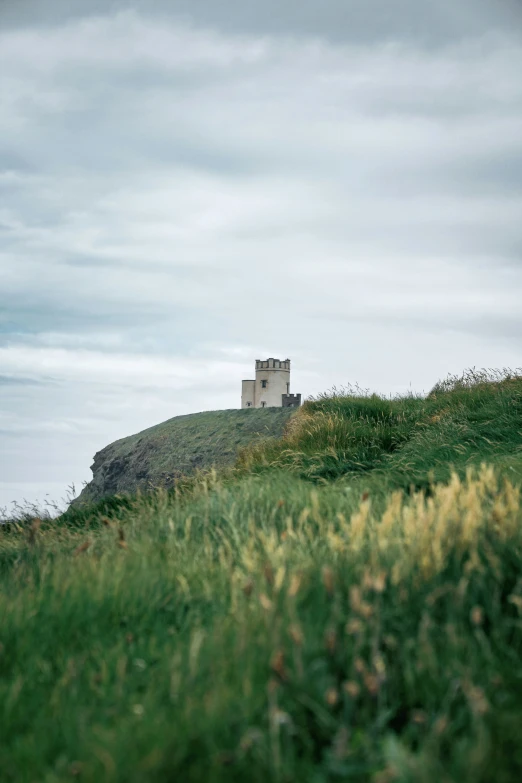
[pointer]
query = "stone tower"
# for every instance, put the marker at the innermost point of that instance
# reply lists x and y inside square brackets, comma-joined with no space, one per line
[271,387]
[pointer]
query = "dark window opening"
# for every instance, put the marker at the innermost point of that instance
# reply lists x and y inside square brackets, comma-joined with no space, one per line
[263,404]
[264,384]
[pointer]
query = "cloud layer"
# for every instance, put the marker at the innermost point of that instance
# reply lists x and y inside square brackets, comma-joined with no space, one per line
[185,189]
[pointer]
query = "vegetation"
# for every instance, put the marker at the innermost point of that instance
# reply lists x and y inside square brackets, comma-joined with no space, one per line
[160,455]
[345,605]
[405,442]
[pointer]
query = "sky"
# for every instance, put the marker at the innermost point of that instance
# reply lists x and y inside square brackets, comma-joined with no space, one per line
[189,185]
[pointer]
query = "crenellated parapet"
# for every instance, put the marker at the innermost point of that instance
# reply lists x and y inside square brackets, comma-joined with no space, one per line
[273,364]
[291,400]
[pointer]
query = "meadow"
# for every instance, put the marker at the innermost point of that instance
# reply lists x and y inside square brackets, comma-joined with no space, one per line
[344,603]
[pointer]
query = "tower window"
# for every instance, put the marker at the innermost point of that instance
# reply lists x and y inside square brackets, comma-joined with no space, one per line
[263,404]
[264,384]
[249,404]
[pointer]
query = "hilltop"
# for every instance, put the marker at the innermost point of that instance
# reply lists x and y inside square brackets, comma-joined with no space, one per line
[159,455]
[343,603]
[405,443]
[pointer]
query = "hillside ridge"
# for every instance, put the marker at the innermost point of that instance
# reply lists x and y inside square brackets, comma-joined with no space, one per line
[161,454]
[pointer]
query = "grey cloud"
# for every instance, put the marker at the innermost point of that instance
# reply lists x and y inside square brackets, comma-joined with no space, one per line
[495,173]
[8,380]
[13,162]
[496,327]
[170,328]
[500,172]
[431,22]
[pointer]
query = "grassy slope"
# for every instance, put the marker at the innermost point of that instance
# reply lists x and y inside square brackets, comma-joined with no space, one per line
[401,443]
[269,627]
[177,447]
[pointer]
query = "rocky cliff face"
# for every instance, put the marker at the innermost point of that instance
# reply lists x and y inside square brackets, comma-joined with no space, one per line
[160,455]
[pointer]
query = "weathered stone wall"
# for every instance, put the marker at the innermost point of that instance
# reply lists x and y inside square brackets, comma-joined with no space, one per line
[291,400]
[248,394]
[272,381]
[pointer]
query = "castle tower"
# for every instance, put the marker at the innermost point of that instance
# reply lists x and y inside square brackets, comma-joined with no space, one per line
[271,387]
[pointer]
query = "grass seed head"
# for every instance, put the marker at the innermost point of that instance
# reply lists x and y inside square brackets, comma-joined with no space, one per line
[279,578]
[34,530]
[371,682]
[248,588]
[296,634]
[441,725]
[82,548]
[340,744]
[379,666]
[379,582]
[277,664]
[352,688]
[331,697]
[330,640]
[328,580]
[268,571]
[295,584]
[477,700]
[265,602]
[354,626]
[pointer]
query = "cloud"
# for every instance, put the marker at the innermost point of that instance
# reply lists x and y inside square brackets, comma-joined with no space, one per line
[188,187]
[17,380]
[431,24]
[112,368]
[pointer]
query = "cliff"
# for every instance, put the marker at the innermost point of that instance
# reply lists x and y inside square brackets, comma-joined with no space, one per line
[159,455]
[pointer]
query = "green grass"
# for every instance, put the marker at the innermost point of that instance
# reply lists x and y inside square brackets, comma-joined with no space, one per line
[401,443]
[160,455]
[286,621]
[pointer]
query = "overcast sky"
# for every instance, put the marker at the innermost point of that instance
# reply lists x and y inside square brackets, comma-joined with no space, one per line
[189,185]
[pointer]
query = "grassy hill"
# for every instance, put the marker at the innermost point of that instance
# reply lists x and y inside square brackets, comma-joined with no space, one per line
[345,604]
[402,443]
[160,455]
